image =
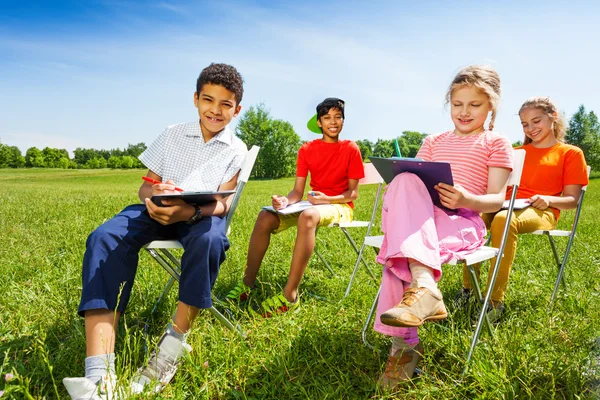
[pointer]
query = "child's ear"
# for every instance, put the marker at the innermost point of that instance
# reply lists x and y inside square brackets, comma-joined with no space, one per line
[237,110]
[196,99]
[319,123]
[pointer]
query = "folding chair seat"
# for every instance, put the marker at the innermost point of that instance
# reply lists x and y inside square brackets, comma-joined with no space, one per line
[562,233]
[160,250]
[371,177]
[469,259]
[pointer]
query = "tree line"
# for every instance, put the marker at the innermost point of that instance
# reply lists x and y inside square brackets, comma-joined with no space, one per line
[279,145]
[11,157]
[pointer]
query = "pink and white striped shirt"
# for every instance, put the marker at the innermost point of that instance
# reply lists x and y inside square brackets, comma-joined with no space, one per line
[469,156]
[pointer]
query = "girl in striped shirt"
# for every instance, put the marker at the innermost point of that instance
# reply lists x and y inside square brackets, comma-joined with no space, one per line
[419,237]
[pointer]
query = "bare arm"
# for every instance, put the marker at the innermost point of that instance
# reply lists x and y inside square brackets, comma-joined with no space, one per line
[568,200]
[455,197]
[349,195]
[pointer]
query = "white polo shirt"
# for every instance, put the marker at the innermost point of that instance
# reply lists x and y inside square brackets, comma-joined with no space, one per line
[180,154]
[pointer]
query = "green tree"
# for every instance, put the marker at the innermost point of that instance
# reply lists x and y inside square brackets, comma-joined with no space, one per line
[4,156]
[517,144]
[34,158]
[52,156]
[366,149]
[126,162]
[584,132]
[134,150]
[410,142]
[16,159]
[113,162]
[277,139]
[64,163]
[383,148]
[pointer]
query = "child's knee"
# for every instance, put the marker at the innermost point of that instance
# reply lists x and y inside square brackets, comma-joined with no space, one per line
[499,221]
[309,218]
[267,221]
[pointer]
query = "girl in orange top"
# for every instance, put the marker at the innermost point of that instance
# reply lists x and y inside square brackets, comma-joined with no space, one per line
[553,176]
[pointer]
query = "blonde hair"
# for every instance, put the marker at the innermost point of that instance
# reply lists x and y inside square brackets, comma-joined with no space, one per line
[483,77]
[546,105]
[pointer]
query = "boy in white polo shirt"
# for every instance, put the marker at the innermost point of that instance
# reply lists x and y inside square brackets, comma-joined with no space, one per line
[203,155]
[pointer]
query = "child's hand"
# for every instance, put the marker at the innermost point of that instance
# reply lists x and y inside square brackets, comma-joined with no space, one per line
[453,197]
[279,202]
[540,202]
[176,210]
[167,187]
[317,198]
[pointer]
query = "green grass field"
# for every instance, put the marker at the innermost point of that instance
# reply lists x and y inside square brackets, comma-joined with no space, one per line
[316,353]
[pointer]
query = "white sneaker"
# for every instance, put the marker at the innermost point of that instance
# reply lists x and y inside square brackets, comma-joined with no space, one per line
[161,366]
[84,389]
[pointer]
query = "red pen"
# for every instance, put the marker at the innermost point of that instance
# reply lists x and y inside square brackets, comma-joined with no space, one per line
[154,181]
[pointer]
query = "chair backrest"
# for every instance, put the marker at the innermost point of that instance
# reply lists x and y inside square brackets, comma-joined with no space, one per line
[589,171]
[245,171]
[518,161]
[371,175]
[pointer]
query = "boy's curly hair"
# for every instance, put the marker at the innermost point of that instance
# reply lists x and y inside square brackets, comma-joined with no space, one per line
[224,75]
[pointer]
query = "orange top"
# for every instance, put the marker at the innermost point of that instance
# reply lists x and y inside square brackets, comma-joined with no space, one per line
[547,171]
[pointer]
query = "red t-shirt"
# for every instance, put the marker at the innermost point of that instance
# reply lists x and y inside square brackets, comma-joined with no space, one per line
[548,170]
[331,165]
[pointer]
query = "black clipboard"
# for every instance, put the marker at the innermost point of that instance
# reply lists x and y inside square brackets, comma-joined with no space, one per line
[194,198]
[430,172]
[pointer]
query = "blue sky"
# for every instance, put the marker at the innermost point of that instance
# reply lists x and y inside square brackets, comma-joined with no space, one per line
[106,73]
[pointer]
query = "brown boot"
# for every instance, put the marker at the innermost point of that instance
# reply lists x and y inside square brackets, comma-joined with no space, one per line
[417,306]
[400,367]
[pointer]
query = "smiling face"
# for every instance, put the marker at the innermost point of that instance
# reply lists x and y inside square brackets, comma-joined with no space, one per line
[216,108]
[331,124]
[470,107]
[537,126]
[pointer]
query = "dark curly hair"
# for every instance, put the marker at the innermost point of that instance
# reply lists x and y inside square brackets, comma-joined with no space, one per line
[224,75]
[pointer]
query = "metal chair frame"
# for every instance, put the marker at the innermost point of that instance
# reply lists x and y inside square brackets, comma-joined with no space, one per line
[160,249]
[371,177]
[561,264]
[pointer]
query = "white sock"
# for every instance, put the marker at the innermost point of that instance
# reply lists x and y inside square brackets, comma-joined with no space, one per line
[98,366]
[422,276]
[399,344]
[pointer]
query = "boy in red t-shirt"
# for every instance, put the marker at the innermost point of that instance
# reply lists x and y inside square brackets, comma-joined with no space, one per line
[335,168]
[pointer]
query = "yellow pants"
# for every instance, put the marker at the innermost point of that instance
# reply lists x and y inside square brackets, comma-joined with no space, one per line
[328,214]
[523,221]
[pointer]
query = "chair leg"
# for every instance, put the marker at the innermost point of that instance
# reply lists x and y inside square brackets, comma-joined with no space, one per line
[477,289]
[561,270]
[353,275]
[368,321]
[318,253]
[172,265]
[556,258]
[353,244]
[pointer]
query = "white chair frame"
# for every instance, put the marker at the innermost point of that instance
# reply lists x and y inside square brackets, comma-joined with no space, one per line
[481,254]
[371,177]
[562,233]
[160,249]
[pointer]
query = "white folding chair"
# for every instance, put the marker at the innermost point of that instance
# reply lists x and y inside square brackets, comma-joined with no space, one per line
[160,249]
[561,233]
[371,177]
[481,254]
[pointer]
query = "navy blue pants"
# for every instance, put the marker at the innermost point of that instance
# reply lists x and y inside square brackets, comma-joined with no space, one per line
[111,258]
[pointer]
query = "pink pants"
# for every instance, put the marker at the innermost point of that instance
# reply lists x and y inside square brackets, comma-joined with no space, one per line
[414,228]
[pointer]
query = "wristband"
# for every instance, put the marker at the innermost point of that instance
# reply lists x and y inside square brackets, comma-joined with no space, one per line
[196,217]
